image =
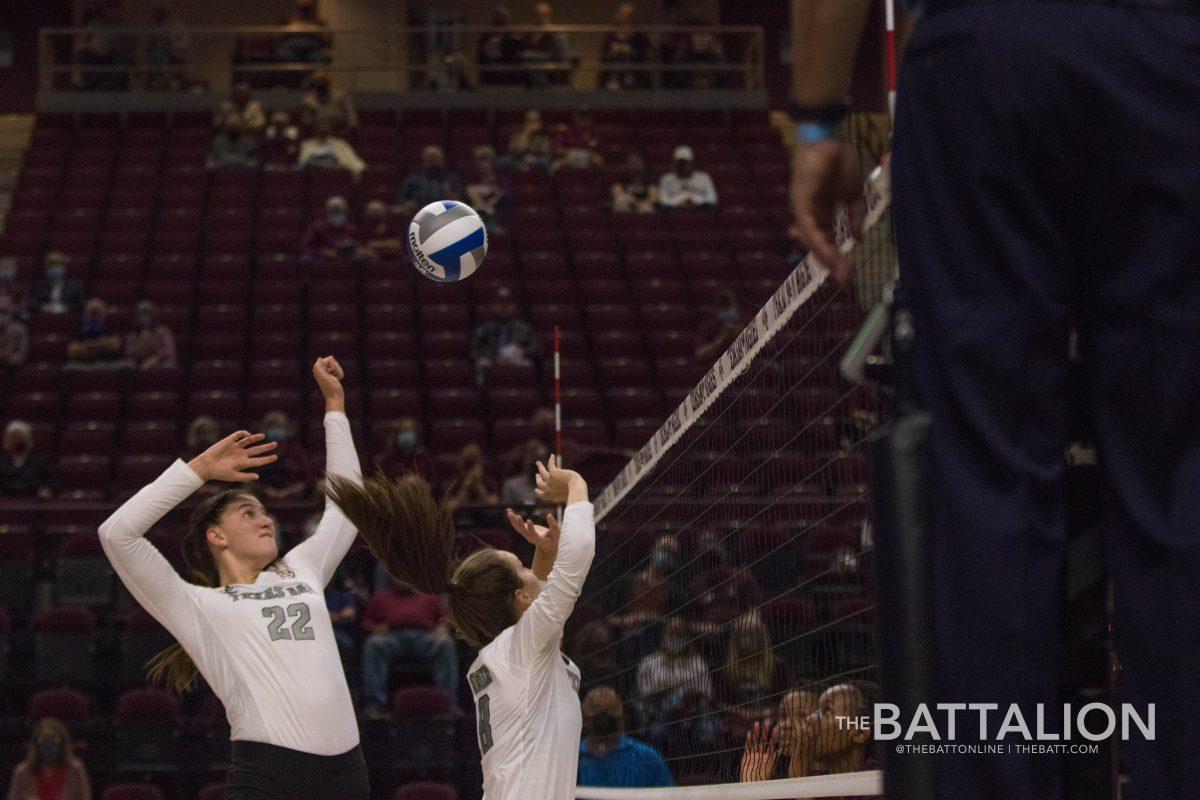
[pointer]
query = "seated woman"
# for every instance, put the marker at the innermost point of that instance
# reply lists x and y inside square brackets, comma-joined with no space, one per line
[634,191]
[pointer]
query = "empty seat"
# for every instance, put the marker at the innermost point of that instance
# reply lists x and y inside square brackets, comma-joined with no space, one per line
[426,790]
[147,733]
[65,647]
[132,791]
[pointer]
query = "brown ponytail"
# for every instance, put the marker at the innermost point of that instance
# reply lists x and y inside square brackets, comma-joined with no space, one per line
[173,667]
[413,537]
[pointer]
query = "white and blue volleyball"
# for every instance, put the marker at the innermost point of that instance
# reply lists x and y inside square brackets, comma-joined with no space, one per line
[447,241]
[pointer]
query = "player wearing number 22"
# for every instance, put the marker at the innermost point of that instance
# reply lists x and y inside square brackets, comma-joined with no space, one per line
[526,691]
[255,625]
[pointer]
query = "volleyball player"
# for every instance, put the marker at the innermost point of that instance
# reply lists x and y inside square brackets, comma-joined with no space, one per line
[254,624]
[526,691]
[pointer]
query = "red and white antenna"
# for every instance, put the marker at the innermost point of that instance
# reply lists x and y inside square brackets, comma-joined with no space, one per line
[889,11]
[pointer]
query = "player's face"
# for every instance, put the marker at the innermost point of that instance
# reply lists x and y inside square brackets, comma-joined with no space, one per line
[532,588]
[247,532]
[792,712]
[832,738]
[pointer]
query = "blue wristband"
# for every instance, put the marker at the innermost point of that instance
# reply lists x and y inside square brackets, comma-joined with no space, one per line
[809,132]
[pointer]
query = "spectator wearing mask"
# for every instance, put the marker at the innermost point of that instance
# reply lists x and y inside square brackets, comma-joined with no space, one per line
[95,345]
[14,335]
[23,471]
[624,46]
[497,50]
[634,192]
[719,330]
[332,237]
[55,292]
[753,675]
[404,452]
[675,667]
[505,339]
[380,238]
[576,145]
[232,147]
[323,107]
[547,49]
[50,770]
[323,150]
[592,648]
[8,278]
[345,598]
[292,474]
[653,591]
[722,591]
[151,344]
[241,111]
[432,182]
[399,623]
[280,148]
[487,193]
[471,486]
[607,757]
[519,490]
[685,186]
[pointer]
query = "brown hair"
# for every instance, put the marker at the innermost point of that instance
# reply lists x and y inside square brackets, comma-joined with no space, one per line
[758,665]
[53,726]
[412,535]
[173,667]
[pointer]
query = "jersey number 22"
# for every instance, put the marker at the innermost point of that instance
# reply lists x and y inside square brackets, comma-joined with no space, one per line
[301,630]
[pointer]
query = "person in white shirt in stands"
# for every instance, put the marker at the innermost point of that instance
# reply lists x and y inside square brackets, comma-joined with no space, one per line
[526,691]
[685,186]
[254,624]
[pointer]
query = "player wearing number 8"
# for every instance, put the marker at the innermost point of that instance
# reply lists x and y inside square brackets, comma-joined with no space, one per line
[526,691]
[254,624]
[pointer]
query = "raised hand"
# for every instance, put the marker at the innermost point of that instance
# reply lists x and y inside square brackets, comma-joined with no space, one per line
[542,538]
[232,458]
[329,374]
[760,753]
[557,485]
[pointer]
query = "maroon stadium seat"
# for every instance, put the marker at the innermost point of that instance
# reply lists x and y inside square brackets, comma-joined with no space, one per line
[426,790]
[421,701]
[132,791]
[67,705]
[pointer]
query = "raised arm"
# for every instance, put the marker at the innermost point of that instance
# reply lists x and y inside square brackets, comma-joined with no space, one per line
[541,626]
[324,550]
[149,577]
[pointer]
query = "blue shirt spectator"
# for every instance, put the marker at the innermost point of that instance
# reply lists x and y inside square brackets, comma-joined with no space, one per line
[630,764]
[432,182]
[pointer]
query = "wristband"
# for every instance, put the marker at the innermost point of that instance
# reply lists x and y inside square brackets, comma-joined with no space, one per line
[810,132]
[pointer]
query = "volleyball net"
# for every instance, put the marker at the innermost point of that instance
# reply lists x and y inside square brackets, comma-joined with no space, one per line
[731,603]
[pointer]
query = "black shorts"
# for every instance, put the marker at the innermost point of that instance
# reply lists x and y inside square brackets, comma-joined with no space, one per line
[268,772]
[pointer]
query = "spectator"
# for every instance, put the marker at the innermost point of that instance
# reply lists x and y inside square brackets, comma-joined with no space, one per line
[573,452]
[14,335]
[326,151]
[241,112]
[719,330]
[607,757]
[521,140]
[380,238]
[151,344]
[292,474]
[624,46]
[432,182]
[593,650]
[789,739]
[304,40]
[56,293]
[471,486]
[100,46]
[505,339]
[674,668]
[8,278]
[753,675]
[487,193]
[653,591]
[821,744]
[699,49]
[404,453]
[50,770]
[202,433]
[345,598]
[402,624]
[634,192]
[332,237]
[24,472]
[95,345]
[323,107]
[232,147]
[686,186]
[280,148]
[166,50]
[723,591]
[549,50]
[498,52]
[577,145]
[519,489]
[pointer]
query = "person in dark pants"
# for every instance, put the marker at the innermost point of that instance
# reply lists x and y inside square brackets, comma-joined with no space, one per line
[1045,176]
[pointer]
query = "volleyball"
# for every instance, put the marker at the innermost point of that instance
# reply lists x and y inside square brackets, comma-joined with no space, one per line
[447,241]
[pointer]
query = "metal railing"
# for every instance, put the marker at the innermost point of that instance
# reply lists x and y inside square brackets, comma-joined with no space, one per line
[440,57]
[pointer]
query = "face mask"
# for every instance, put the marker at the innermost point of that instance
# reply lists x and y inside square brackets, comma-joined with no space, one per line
[663,561]
[276,434]
[337,220]
[603,724]
[728,314]
[50,751]
[7,274]
[406,440]
[145,320]
[20,446]
[674,644]
[93,325]
[56,273]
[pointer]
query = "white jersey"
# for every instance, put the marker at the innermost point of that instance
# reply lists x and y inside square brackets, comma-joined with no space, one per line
[527,692]
[266,649]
